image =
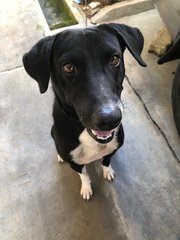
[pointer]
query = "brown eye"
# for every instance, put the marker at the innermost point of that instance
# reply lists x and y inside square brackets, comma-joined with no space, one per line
[69,68]
[115,61]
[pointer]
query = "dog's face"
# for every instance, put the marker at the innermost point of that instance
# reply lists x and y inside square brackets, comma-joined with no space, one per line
[87,70]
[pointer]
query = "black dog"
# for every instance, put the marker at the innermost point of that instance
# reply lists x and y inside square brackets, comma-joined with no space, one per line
[86,67]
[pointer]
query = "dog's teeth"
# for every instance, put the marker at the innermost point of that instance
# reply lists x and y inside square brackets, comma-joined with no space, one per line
[103,138]
[93,132]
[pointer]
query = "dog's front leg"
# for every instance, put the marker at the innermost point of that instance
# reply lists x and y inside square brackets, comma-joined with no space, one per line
[86,190]
[108,171]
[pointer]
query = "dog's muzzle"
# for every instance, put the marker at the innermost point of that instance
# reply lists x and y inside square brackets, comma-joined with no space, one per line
[104,123]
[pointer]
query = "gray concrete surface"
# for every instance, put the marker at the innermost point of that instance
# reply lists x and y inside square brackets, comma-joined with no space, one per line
[121,9]
[18,22]
[38,198]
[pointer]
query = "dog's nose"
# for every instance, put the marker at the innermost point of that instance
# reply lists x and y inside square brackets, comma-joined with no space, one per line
[107,119]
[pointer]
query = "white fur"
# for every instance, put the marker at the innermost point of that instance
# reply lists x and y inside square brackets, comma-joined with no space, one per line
[90,150]
[60,160]
[86,190]
[108,173]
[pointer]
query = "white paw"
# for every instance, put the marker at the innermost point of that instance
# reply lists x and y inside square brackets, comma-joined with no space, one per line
[108,173]
[86,191]
[60,160]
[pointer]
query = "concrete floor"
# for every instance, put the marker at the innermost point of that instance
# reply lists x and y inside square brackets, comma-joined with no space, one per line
[38,198]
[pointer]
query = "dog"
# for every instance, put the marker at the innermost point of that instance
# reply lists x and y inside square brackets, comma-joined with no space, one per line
[86,67]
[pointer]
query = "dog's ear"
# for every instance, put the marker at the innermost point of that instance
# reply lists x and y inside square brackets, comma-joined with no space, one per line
[37,62]
[131,37]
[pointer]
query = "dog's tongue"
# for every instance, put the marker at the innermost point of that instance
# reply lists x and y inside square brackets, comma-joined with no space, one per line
[102,133]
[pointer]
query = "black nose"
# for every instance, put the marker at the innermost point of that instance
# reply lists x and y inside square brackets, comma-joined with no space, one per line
[107,119]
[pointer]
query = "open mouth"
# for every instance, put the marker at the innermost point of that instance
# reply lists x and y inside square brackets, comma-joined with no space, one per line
[101,136]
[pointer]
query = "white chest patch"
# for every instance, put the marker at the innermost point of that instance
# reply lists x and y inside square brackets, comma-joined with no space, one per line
[89,150]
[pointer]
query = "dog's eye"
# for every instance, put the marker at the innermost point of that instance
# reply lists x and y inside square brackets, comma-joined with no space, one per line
[115,61]
[68,68]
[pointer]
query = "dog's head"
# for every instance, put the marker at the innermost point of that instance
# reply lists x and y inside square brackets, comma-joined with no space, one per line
[87,71]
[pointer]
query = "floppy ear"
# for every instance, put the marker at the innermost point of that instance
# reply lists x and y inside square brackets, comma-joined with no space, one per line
[37,62]
[131,37]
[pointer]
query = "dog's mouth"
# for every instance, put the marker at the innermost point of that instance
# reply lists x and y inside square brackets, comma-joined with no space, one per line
[101,136]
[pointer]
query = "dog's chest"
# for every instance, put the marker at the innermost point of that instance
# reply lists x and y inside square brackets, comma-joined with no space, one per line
[89,150]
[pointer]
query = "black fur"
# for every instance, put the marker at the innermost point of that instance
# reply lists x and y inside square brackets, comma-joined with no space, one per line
[82,97]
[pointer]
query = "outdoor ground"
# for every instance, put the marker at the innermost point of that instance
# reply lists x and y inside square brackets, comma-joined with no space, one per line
[39,199]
